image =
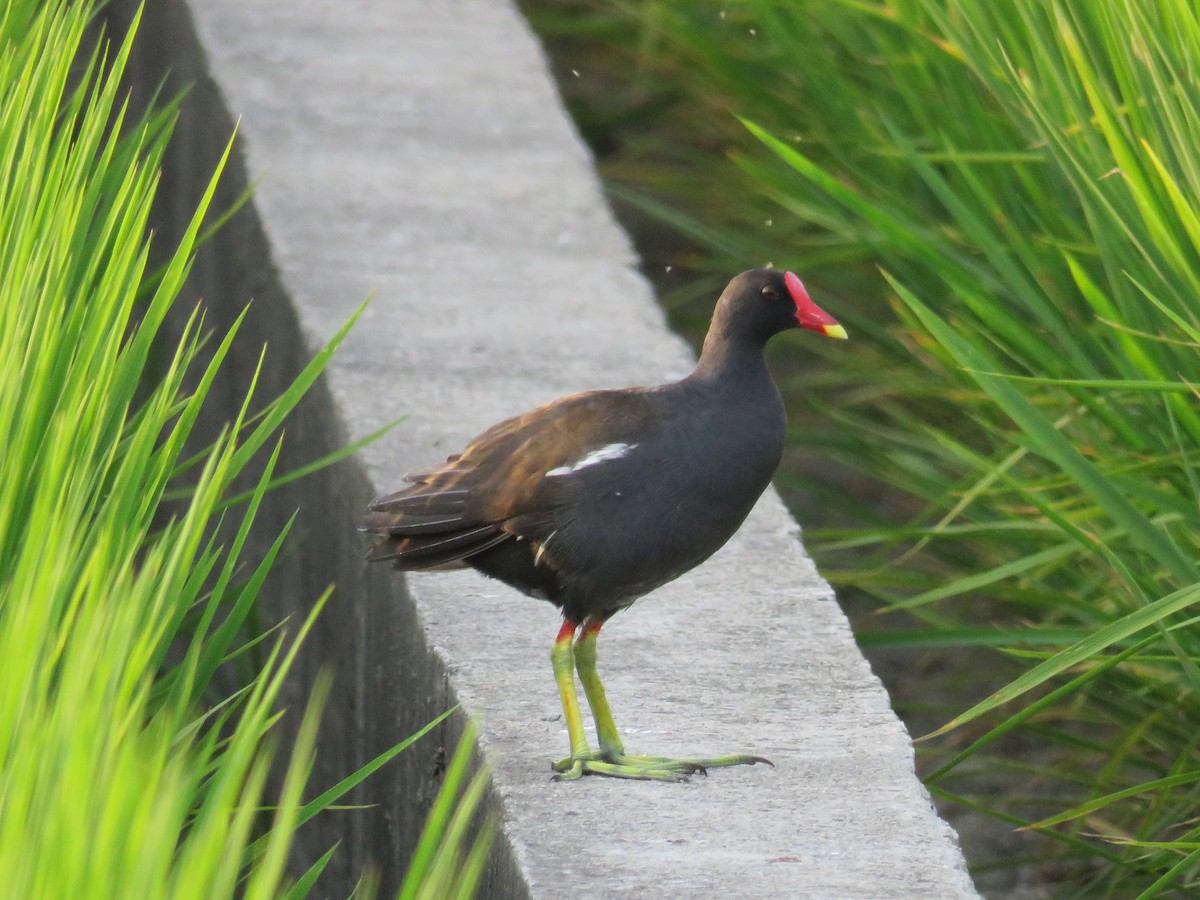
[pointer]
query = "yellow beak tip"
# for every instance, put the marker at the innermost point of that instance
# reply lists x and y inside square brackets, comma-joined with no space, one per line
[836,331]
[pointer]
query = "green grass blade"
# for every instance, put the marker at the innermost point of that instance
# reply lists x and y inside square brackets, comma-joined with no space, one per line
[1123,628]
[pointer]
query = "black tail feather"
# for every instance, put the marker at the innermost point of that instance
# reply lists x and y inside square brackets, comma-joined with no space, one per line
[424,551]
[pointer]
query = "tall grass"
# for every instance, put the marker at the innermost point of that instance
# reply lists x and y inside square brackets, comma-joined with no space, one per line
[1024,174]
[120,773]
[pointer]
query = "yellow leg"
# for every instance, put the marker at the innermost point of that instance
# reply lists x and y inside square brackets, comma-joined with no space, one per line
[611,758]
[563,659]
[585,660]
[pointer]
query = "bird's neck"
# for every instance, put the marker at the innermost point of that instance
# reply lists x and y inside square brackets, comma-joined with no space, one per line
[731,364]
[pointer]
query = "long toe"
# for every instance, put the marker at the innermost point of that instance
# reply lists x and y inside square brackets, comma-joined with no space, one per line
[567,769]
[637,768]
[636,771]
[694,764]
[646,768]
[738,759]
[666,763]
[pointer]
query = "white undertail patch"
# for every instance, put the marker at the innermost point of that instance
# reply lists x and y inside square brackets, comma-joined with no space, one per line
[604,454]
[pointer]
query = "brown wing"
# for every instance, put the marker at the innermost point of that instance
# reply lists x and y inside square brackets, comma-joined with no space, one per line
[497,490]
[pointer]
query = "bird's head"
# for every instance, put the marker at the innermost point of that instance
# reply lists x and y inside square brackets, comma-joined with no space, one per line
[767,301]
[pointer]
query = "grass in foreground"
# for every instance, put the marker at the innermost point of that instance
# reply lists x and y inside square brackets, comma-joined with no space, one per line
[119,774]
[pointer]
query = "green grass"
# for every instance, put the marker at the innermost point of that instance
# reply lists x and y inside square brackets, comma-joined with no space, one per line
[999,202]
[122,773]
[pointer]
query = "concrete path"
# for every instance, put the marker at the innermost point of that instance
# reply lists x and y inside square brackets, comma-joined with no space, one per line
[418,151]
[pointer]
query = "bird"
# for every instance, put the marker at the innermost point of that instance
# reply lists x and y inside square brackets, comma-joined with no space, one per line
[595,499]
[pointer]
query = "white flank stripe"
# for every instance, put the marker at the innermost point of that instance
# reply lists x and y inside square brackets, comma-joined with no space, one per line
[537,557]
[611,451]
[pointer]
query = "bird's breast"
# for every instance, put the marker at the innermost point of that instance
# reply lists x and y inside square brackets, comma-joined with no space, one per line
[638,515]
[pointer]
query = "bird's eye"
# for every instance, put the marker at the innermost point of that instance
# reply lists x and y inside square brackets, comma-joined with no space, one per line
[770,293]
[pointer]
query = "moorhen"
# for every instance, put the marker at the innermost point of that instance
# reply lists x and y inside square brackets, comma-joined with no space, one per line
[598,498]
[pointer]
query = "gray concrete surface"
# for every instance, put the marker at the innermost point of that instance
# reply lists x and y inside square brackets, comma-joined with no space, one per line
[418,151]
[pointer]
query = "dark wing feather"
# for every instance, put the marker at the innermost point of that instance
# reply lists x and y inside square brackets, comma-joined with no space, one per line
[497,488]
[429,525]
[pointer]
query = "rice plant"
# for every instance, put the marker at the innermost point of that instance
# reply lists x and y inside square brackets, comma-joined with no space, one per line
[120,773]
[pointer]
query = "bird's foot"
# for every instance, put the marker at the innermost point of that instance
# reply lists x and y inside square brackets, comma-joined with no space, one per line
[641,768]
[645,768]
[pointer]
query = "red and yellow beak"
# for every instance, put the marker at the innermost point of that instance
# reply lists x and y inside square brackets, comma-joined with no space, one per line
[808,314]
